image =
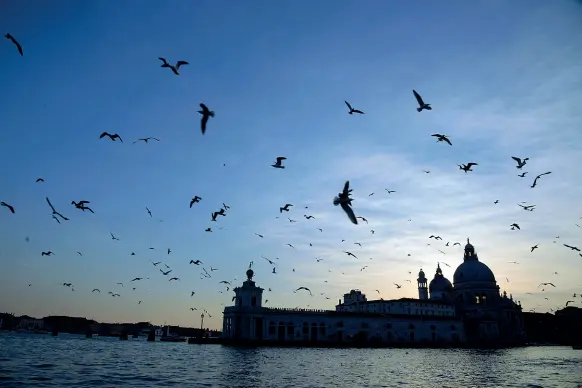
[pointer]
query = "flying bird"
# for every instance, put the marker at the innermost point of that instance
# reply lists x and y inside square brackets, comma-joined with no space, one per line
[522,175]
[113,237]
[520,162]
[18,46]
[467,167]
[538,177]
[206,114]
[345,201]
[197,262]
[9,207]
[96,289]
[145,139]
[112,137]
[352,110]
[572,247]
[397,285]
[546,284]
[194,200]
[442,138]
[171,67]
[304,288]
[514,226]
[278,162]
[350,254]
[54,211]
[390,191]
[285,208]
[534,248]
[39,180]
[421,103]
[148,210]
[47,253]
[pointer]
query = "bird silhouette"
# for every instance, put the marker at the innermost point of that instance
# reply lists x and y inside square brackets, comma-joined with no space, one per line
[285,208]
[7,206]
[278,163]
[206,114]
[421,104]
[352,110]
[113,137]
[520,162]
[534,184]
[194,200]
[343,199]
[145,139]
[18,46]
[467,167]
[442,138]
[174,68]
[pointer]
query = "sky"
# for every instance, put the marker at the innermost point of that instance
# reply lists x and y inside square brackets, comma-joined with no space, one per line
[504,79]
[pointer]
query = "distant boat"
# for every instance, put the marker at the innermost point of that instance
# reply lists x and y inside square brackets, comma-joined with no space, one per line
[167,337]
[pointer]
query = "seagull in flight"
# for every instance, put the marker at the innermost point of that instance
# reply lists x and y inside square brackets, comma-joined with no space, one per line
[421,104]
[546,284]
[442,138]
[113,137]
[538,177]
[467,167]
[113,237]
[18,46]
[514,226]
[206,114]
[520,162]
[350,254]
[54,211]
[572,247]
[194,200]
[278,162]
[345,201]
[145,139]
[7,206]
[534,248]
[171,67]
[304,288]
[352,110]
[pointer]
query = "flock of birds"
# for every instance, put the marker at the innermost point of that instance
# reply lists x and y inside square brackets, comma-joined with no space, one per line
[342,199]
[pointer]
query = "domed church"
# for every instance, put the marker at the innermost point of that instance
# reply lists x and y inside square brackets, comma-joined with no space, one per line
[488,316]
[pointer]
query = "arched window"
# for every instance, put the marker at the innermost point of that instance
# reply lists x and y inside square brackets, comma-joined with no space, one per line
[477,300]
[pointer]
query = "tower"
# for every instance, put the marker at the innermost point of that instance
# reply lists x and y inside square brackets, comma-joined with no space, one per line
[249,295]
[422,286]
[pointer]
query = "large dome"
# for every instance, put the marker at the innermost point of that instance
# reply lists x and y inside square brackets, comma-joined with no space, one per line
[440,284]
[473,271]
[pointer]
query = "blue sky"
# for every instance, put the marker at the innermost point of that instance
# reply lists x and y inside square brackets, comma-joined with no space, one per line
[504,79]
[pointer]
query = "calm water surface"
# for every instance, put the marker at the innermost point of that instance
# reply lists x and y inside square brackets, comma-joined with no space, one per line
[34,360]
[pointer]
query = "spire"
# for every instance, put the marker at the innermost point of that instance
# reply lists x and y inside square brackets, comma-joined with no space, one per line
[469,251]
[439,271]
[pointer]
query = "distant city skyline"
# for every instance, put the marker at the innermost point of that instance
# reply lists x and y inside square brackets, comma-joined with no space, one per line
[277,78]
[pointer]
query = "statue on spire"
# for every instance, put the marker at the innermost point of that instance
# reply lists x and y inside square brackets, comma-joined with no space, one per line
[468,240]
[251,264]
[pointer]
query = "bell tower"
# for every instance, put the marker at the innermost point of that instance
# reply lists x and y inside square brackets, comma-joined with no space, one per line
[422,286]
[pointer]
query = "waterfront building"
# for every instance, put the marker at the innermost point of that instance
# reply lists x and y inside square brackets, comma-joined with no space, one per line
[471,311]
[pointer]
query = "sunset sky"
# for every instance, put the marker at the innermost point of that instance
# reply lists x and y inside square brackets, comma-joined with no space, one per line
[504,79]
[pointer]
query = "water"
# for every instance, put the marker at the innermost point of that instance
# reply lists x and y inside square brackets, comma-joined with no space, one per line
[34,360]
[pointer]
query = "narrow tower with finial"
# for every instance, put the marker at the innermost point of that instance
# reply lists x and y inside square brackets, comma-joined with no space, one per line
[422,286]
[248,296]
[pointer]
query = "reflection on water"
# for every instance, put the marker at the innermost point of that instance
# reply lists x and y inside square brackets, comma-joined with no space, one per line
[74,361]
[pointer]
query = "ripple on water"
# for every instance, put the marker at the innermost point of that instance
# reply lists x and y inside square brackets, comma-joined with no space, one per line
[73,361]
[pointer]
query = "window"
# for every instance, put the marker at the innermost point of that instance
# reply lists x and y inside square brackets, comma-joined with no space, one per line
[477,299]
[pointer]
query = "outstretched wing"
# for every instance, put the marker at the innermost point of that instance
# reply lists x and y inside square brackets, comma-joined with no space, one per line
[418,98]
[103,135]
[180,63]
[163,60]
[447,140]
[204,107]
[545,173]
[437,135]
[350,213]
[279,159]
[518,160]
[349,106]
[471,164]
[50,204]
[358,111]
[203,123]
[346,190]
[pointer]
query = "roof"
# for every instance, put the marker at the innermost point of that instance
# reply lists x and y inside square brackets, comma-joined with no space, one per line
[473,271]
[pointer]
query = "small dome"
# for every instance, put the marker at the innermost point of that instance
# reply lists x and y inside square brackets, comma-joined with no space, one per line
[473,271]
[421,274]
[250,273]
[440,284]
